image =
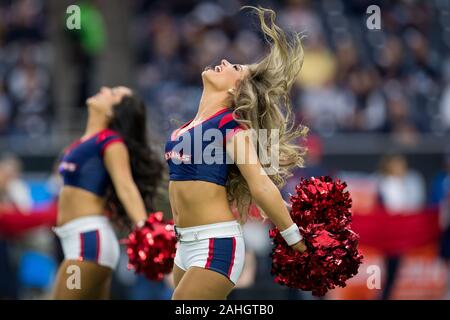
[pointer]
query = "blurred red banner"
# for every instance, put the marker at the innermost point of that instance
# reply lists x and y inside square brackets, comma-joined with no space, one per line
[397,233]
[14,222]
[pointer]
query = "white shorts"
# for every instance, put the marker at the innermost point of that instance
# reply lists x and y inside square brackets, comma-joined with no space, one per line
[90,239]
[219,247]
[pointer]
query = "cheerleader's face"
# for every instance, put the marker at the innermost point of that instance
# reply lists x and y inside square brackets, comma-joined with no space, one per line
[106,98]
[224,76]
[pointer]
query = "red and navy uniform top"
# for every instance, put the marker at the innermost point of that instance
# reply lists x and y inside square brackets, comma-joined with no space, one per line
[199,153]
[82,163]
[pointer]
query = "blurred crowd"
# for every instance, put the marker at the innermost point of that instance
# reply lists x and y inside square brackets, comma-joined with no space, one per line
[392,80]
[354,79]
[25,81]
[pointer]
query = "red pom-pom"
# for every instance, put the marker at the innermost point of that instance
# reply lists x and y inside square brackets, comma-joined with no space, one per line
[151,248]
[322,210]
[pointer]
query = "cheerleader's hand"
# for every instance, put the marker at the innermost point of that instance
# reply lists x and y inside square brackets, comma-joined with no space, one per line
[300,246]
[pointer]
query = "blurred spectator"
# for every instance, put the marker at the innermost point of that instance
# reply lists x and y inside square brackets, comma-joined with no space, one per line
[347,60]
[26,248]
[401,191]
[369,112]
[319,69]
[400,122]
[16,190]
[300,16]
[390,60]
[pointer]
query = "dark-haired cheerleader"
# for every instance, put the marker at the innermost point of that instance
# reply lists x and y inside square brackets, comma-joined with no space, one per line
[109,169]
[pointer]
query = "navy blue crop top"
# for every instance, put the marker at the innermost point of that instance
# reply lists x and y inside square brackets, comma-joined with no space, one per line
[82,162]
[199,153]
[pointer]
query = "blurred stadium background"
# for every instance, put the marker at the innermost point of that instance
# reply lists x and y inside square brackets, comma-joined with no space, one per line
[377,103]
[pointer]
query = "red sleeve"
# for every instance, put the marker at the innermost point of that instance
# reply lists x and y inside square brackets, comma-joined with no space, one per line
[231,132]
[107,138]
[230,126]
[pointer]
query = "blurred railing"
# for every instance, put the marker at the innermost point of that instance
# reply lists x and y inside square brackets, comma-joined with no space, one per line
[384,143]
[351,143]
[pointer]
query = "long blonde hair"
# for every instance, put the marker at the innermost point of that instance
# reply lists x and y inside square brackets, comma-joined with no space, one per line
[261,101]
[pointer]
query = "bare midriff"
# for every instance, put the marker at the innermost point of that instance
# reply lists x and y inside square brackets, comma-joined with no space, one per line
[197,203]
[75,203]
